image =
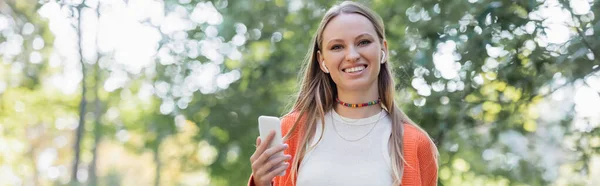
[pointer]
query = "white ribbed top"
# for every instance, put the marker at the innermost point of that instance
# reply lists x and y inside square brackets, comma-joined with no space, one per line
[337,161]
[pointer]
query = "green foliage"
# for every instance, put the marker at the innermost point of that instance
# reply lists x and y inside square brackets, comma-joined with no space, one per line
[486,116]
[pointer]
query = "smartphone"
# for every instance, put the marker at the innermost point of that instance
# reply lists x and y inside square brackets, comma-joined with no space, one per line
[266,124]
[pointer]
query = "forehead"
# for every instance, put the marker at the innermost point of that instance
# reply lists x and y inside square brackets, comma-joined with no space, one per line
[348,26]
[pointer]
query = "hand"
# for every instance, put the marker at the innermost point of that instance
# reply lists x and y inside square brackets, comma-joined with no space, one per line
[265,166]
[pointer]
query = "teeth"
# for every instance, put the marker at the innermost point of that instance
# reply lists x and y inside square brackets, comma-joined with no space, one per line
[355,69]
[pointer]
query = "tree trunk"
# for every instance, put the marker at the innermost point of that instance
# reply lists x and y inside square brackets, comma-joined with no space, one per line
[97,117]
[97,130]
[82,103]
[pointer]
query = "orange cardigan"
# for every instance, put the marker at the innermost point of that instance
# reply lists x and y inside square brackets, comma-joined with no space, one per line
[420,168]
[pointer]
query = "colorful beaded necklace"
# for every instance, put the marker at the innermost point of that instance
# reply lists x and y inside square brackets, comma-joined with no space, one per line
[358,105]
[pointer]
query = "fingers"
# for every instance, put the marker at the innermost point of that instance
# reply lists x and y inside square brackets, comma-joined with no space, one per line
[259,159]
[278,170]
[269,139]
[267,173]
[273,164]
[265,166]
[275,172]
[261,146]
[270,152]
[265,144]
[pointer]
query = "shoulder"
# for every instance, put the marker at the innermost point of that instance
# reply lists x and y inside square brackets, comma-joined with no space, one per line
[417,140]
[414,134]
[288,120]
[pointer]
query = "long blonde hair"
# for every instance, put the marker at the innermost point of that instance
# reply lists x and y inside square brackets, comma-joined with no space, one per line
[318,91]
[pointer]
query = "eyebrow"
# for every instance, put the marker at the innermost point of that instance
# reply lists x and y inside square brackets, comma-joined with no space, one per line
[360,35]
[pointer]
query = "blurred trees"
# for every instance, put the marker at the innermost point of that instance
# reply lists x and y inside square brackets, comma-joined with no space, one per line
[177,88]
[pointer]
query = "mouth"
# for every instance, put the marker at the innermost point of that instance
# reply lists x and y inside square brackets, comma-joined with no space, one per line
[355,69]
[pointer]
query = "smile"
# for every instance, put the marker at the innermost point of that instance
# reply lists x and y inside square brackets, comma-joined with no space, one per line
[355,69]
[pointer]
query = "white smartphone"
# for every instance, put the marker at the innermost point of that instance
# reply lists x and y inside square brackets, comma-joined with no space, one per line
[266,124]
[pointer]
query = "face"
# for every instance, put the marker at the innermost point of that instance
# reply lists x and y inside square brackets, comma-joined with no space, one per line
[351,51]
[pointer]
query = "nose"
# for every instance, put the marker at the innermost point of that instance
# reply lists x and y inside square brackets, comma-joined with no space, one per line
[352,54]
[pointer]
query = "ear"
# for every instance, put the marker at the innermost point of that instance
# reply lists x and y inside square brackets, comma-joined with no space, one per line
[320,60]
[384,48]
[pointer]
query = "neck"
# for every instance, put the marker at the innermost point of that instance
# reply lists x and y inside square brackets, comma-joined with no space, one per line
[358,96]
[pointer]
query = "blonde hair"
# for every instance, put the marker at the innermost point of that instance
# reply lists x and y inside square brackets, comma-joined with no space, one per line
[318,91]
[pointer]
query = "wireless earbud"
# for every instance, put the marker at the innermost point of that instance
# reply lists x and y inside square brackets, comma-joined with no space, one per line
[324,67]
[382,57]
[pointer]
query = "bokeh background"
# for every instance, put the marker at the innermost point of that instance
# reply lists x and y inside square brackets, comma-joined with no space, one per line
[149,92]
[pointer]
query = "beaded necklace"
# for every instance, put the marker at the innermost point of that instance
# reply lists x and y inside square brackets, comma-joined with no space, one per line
[359,104]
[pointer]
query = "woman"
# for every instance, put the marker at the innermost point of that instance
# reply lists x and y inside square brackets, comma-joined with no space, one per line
[331,141]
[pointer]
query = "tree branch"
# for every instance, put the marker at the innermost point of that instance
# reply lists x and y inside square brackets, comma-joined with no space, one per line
[569,83]
[579,30]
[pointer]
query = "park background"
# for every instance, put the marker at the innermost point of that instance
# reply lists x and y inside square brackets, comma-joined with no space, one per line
[149,92]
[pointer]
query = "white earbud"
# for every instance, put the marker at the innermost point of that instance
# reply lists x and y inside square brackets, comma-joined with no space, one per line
[382,57]
[324,67]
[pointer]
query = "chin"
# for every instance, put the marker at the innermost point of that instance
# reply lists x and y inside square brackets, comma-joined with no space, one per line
[358,84]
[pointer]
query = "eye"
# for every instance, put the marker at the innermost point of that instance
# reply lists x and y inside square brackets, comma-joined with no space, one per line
[336,47]
[364,42]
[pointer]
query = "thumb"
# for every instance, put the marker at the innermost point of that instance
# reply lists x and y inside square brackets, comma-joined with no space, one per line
[258,141]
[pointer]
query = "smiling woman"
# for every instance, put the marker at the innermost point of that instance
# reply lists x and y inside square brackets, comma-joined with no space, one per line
[345,127]
[351,51]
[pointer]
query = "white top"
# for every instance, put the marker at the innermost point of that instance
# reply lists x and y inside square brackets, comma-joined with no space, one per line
[361,158]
